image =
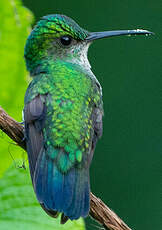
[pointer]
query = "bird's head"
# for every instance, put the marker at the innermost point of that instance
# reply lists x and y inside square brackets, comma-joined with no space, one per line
[59,37]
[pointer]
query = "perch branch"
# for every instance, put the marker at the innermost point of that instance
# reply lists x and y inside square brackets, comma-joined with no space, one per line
[98,210]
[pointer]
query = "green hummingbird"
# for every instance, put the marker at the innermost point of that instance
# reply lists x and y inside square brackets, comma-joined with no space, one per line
[62,113]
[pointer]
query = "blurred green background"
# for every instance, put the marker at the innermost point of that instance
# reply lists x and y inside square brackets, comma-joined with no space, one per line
[126,172]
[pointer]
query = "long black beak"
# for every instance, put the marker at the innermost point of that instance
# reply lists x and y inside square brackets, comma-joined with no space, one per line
[98,35]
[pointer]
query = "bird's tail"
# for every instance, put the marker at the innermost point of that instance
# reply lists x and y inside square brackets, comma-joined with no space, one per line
[67,193]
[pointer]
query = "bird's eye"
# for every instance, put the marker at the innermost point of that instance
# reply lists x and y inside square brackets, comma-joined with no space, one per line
[66,40]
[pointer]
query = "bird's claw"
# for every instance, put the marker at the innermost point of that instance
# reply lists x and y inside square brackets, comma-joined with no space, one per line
[64,219]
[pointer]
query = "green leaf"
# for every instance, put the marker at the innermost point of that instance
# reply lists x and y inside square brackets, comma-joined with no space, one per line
[15,21]
[19,208]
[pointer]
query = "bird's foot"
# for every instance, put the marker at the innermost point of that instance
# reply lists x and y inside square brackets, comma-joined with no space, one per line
[64,219]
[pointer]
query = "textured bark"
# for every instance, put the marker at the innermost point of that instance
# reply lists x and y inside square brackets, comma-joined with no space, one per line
[98,210]
[105,216]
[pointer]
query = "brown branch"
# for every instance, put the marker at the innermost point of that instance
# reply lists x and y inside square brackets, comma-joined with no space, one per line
[105,216]
[98,210]
[12,128]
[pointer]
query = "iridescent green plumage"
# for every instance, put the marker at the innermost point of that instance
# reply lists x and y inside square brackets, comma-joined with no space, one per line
[72,97]
[48,29]
[63,116]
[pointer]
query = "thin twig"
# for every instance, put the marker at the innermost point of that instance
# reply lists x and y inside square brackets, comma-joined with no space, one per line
[98,210]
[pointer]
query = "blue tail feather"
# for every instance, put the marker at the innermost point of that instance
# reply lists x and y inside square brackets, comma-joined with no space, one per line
[63,192]
[81,191]
[48,201]
[86,199]
[57,188]
[69,183]
[75,205]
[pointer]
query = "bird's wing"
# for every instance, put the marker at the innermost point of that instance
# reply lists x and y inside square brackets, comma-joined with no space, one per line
[34,116]
[98,113]
[97,126]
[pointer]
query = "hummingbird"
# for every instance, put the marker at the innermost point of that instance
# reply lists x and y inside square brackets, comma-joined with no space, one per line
[63,113]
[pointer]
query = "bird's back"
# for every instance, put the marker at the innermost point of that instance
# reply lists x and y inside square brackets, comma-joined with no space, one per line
[63,117]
